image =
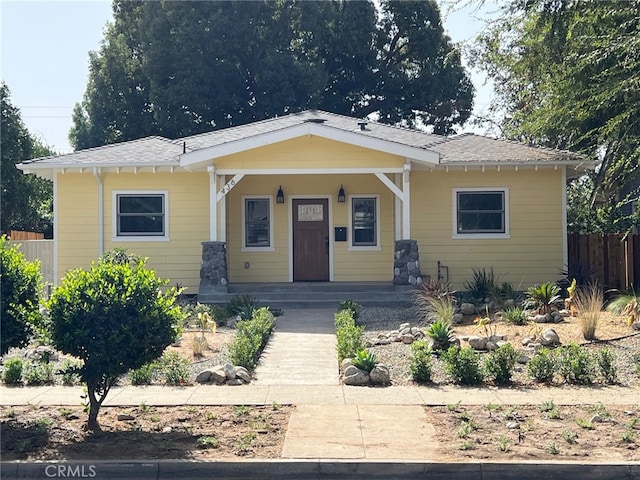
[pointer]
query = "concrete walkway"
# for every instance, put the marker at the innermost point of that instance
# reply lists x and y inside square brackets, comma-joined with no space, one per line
[301,351]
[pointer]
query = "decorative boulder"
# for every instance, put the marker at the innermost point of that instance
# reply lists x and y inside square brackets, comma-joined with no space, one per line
[203,377]
[635,326]
[478,343]
[354,376]
[243,374]
[229,371]
[217,375]
[491,346]
[468,309]
[379,375]
[458,318]
[541,318]
[347,362]
[407,338]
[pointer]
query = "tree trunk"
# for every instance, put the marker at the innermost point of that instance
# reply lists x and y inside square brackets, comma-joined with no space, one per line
[94,408]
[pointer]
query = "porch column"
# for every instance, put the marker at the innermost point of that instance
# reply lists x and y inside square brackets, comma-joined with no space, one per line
[406,201]
[213,204]
[406,265]
[213,270]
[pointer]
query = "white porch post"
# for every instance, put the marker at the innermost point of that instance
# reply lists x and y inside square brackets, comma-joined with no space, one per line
[406,202]
[213,204]
[397,203]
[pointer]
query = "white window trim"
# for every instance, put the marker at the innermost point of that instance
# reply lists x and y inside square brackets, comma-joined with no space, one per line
[138,238]
[480,236]
[364,248]
[245,248]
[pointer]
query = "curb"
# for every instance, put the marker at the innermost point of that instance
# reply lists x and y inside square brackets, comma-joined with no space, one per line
[316,470]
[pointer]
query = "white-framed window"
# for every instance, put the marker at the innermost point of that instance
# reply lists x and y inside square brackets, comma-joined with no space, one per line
[257,223]
[481,212]
[364,219]
[140,215]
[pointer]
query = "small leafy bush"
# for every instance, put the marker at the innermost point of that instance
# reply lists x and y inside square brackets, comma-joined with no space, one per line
[355,308]
[348,335]
[500,363]
[12,373]
[542,366]
[37,373]
[143,375]
[174,368]
[420,362]
[515,316]
[69,372]
[251,338]
[441,335]
[242,305]
[605,358]
[365,360]
[575,364]
[463,364]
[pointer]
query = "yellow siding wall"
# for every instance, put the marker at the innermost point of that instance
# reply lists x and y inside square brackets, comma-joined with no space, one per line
[274,266]
[534,253]
[177,260]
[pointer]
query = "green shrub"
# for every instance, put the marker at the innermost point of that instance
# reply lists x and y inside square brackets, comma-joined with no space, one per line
[543,297]
[69,372]
[37,373]
[365,360]
[355,308]
[114,317]
[463,365]
[441,335]
[500,363]
[420,362]
[576,364]
[605,359]
[175,368]
[12,373]
[144,374]
[251,337]
[483,284]
[542,366]
[348,335]
[515,316]
[20,282]
[241,305]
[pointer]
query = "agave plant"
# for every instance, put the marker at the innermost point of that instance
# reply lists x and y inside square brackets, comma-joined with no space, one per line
[441,335]
[627,304]
[365,360]
[543,297]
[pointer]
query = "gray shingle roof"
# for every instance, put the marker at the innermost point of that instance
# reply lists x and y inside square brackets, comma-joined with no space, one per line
[462,149]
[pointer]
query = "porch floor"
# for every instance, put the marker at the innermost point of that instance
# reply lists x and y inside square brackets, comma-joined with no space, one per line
[316,294]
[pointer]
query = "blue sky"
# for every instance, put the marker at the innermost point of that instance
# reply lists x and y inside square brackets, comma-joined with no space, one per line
[45,57]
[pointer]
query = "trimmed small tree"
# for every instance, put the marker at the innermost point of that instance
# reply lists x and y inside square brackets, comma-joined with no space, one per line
[20,282]
[115,318]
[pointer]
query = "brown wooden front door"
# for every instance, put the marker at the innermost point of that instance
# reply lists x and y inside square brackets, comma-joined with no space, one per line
[310,240]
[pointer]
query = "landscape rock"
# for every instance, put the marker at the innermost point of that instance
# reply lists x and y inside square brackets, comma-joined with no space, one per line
[596,419]
[635,326]
[380,375]
[478,343]
[354,376]
[497,338]
[235,382]
[468,309]
[229,371]
[528,340]
[491,346]
[556,317]
[243,374]
[458,318]
[403,326]
[540,318]
[125,417]
[523,359]
[408,339]
[217,375]
[203,377]
[347,362]
[512,425]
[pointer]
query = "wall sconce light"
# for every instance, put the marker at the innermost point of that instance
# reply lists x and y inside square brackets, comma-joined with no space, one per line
[280,195]
[341,194]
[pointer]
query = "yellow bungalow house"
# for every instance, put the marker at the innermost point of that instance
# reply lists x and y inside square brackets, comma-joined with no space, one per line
[315,197]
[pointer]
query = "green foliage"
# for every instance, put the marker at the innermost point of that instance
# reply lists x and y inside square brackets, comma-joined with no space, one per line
[500,363]
[144,374]
[20,282]
[114,318]
[26,201]
[174,368]
[241,305]
[192,313]
[37,373]
[251,338]
[420,362]
[348,335]
[542,366]
[515,316]
[605,358]
[441,335]
[42,425]
[627,304]
[68,372]
[365,360]
[576,364]
[463,365]
[483,284]
[208,441]
[12,373]
[435,300]
[543,297]
[355,308]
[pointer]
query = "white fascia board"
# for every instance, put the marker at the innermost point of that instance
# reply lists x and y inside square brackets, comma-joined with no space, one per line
[304,171]
[305,129]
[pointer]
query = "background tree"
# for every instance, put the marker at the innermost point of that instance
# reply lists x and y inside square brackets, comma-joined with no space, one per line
[567,75]
[114,319]
[20,282]
[182,68]
[25,200]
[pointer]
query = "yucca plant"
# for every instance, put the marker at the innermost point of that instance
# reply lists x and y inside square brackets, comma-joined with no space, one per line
[365,360]
[543,297]
[588,301]
[627,304]
[441,335]
[483,284]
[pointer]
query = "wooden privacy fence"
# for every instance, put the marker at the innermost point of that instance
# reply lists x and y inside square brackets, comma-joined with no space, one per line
[614,258]
[19,235]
